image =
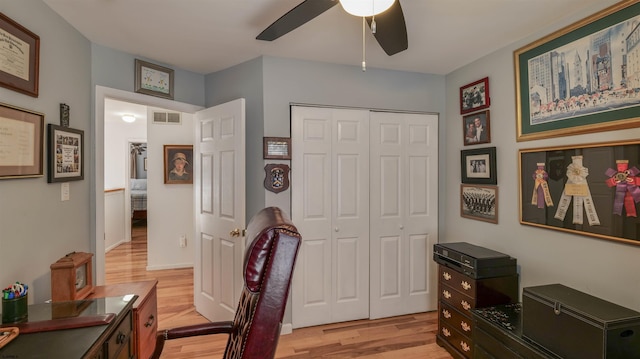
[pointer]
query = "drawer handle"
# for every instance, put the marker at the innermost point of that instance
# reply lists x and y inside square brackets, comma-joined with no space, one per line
[446,294]
[465,305]
[465,346]
[465,285]
[150,321]
[446,313]
[446,275]
[120,338]
[466,327]
[446,332]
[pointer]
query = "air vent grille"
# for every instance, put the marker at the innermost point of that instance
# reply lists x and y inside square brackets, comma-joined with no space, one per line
[166,118]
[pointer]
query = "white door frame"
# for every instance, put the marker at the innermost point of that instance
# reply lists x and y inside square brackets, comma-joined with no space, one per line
[97,158]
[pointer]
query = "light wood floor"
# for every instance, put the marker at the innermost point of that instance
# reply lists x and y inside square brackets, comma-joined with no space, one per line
[406,337]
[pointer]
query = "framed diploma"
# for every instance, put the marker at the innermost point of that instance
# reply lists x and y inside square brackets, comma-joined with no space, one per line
[154,80]
[65,154]
[278,148]
[21,142]
[19,57]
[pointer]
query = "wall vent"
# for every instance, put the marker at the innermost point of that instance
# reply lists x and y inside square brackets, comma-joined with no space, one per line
[166,118]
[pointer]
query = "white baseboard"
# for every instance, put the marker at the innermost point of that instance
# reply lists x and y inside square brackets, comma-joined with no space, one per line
[106,250]
[170,266]
[287,328]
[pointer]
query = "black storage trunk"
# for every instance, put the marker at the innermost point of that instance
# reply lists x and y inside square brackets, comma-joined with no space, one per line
[576,325]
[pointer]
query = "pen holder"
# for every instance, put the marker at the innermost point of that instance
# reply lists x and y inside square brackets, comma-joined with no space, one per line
[15,310]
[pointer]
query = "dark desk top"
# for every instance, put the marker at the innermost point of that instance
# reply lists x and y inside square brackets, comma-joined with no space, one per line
[506,320]
[55,343]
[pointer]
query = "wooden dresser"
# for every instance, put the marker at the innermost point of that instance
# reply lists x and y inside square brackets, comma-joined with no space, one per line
[145,312]
[458,294]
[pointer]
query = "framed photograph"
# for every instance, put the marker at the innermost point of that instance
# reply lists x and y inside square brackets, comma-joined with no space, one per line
[19,57]
[478,166]
[21,142]
[278,148]
[66,154]
[479,202]
[475,96]
[154,80]
[476,128]
[178,164]
[588,189]
[581,79]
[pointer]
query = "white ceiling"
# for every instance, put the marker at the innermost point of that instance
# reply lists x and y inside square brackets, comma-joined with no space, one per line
[205,36]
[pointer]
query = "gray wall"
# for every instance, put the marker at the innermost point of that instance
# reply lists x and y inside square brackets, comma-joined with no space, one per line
[606,269]
[244,81]
[36,228]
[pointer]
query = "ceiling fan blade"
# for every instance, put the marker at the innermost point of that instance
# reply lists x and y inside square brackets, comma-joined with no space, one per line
[296,17]
[391,31]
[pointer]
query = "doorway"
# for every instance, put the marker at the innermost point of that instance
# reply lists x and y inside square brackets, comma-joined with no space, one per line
[98,211]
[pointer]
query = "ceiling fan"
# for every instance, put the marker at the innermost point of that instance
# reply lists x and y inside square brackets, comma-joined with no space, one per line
[389,27]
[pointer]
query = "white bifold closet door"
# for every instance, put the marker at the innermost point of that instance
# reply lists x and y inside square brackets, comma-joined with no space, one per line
[367,241]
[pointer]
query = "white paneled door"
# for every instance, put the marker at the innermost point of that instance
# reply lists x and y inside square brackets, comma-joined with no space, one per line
[219,187]
[342,212]
[404,212]
[331,210]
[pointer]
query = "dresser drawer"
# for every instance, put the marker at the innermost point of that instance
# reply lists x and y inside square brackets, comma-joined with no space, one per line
[457,281]
[147,325]
[453,318]
[463,344]
[459,301]
[120,343]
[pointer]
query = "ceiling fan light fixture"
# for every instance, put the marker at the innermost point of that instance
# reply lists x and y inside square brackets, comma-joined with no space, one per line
[366,7]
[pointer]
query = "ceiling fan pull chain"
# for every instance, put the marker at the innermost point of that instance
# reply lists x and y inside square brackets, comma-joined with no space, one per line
[364,62]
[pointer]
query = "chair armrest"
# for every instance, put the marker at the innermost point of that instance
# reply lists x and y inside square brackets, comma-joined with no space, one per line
[198,329]
[190,331]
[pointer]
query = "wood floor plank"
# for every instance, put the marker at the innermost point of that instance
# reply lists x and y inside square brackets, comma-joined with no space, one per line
[405,337]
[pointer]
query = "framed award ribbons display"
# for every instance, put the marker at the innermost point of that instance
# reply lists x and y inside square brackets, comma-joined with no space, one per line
[591,189]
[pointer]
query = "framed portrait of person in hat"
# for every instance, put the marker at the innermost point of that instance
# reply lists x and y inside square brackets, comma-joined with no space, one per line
[178,164]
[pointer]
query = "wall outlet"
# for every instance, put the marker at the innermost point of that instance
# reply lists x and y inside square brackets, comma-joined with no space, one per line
[183,241]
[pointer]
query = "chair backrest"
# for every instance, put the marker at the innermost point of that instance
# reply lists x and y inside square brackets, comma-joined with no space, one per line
[268,267]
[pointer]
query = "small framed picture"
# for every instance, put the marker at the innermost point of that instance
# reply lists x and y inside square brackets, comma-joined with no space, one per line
[154,80]
[66,154]
[479,202]
[478,166]
[178,164]
[475,96]
[278,148]
[476,128]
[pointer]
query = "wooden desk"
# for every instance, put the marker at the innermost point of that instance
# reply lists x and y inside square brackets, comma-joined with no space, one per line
[145,312]
[111,340]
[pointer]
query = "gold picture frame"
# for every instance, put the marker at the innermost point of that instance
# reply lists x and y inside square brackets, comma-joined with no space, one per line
[21,142]
[553,180]
[594,89]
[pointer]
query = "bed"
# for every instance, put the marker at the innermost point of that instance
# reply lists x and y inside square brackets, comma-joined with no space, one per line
[138,188]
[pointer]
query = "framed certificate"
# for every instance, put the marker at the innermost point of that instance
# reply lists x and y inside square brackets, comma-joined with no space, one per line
[21,142]
[278,148]
[19,57]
